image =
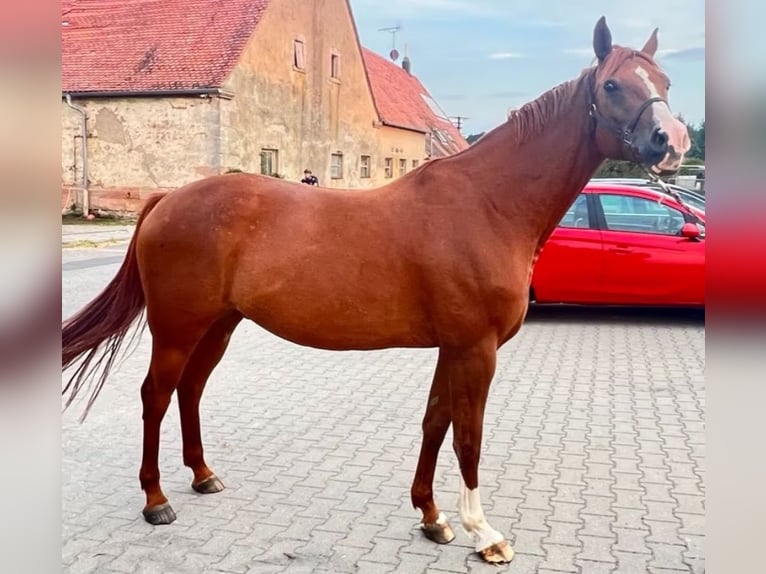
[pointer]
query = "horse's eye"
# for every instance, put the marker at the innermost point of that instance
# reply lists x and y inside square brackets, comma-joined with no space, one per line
[610,86]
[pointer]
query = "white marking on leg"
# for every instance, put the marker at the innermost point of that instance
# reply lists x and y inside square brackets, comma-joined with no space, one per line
[474,522]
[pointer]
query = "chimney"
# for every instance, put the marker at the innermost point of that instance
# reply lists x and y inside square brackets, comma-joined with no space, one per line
[406,61]
[406,64]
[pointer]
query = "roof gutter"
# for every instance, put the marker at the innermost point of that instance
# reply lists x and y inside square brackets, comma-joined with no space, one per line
[408,128]
[191,92]
[84,143]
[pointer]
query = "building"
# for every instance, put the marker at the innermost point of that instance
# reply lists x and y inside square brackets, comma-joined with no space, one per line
[404,105]
[159,93]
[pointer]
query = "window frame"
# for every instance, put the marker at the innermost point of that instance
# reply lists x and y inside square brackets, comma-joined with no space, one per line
[333,157]
[365,168]
[335,66]
[273,153]
[653,230]
[590,222]
[388,167]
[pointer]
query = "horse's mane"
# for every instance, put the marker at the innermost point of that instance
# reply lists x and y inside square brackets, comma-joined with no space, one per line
[529,120]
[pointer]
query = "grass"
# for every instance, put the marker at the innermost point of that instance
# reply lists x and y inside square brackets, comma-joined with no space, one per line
[90,244]
[74,219]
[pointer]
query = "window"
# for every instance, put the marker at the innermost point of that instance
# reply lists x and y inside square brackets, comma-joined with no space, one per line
[442,136]
[577,214]
[336,166]
[299,55]
[415,163]
[269,165]
[626,213]
[402,167]
[364,166]
[335,66]
[389,167]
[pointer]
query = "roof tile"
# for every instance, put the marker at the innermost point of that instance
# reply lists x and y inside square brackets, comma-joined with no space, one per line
[404,102]
[137,45]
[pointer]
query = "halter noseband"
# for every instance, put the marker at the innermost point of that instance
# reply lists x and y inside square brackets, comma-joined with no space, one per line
[601,121]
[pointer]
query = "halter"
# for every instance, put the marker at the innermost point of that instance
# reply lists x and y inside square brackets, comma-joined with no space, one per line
[601,121]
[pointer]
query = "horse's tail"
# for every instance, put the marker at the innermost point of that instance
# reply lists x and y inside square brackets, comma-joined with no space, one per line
[105,321]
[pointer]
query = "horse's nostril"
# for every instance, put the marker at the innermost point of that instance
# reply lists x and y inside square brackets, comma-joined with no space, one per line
[659,139]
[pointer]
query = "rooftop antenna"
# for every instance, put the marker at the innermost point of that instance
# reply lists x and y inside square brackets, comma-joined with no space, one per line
[459,121]
[394,54]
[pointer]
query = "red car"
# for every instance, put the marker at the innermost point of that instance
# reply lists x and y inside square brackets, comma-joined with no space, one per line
[624,245]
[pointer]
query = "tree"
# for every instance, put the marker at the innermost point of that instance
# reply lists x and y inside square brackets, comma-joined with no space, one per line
[614,168]
[473,137]
[697,135]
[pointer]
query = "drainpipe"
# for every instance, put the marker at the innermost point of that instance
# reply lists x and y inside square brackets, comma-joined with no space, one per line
[84,134]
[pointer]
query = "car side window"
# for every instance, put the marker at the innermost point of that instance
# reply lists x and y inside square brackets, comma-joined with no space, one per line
[577,214]
[640,215]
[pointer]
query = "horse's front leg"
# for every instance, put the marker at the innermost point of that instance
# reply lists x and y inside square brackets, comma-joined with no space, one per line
[471,372]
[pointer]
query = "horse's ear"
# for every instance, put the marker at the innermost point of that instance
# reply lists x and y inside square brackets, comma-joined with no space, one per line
[602,39]
[651,44]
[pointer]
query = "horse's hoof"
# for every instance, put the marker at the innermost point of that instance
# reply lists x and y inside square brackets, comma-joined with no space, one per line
[439,531]
[162,514]
[209,485]
[497,553]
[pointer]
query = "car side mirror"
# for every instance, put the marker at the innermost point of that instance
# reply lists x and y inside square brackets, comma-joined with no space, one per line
[690,231]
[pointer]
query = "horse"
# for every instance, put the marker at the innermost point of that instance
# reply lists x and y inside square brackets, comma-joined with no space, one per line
[439,258]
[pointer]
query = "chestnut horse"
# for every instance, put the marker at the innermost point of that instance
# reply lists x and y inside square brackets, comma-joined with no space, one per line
[441,257]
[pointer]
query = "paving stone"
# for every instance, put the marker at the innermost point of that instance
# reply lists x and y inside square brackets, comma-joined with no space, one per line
[667,556]
[597,548]
[563,533]
[631,562]
[595,567]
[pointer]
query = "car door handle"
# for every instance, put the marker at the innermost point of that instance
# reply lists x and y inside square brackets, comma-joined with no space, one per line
[621,250]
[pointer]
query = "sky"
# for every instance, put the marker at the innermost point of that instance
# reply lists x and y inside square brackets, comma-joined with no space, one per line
[481,58]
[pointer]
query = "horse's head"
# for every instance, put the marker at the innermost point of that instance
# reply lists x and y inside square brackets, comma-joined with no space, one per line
[628,95]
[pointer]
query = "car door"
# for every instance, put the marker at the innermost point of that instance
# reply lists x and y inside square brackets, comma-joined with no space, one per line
[646,260]
[570,266]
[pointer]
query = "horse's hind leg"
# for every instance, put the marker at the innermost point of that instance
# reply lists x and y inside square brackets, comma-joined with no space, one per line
[206,356]
[167,365]
[435,424]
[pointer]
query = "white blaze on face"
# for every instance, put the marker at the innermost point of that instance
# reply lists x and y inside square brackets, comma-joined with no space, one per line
[473,520]
[678,135]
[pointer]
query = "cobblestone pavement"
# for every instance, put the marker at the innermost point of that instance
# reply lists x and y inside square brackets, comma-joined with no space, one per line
[593,454]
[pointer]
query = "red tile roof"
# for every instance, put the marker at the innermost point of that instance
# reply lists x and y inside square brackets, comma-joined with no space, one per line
[159,45]
[148,45]
[402,101]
